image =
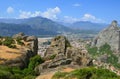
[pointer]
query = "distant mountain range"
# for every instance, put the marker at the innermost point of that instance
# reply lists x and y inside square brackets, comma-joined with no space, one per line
[87,25]
[43,26]
[31,26]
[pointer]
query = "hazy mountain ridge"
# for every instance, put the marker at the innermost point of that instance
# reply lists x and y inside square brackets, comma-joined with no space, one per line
[43,26]
[9,29]
[35,26]
[87,25]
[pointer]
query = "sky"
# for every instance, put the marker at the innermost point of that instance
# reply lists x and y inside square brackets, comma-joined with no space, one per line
[68,11]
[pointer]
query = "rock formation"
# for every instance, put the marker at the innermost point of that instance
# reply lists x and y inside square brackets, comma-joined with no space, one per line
[109,35]
[64,53]
[25,52]
[58,45]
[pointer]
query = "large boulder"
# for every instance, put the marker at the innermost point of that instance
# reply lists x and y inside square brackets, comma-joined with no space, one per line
[58,45]
[78,57]
[25,52]
[33,43]
[21,61]
[19,35]
[64,54]
[109,35]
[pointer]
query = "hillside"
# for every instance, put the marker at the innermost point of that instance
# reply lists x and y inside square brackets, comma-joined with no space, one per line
[9,29]
[86,73]
[32,26]
[87,25]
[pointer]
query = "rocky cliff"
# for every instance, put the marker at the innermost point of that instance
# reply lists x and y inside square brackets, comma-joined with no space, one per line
[109,35]
[19,56]
[62,53]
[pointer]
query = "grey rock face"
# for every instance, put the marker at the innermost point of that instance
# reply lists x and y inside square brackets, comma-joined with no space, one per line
[109,35]
[78,57]
[58,45]
[22,61]
[34,43]
[65,55]
[19,35]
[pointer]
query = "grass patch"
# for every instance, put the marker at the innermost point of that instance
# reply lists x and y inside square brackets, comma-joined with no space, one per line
[87,73]
[17,73]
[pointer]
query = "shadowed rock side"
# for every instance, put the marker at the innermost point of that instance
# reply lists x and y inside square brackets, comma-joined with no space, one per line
[62,53]
[26,52]
[109,35]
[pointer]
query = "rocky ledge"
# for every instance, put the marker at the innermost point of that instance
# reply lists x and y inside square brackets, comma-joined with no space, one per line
[62,53]
[26,51]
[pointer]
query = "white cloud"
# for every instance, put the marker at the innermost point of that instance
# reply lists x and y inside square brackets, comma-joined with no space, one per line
[86,17]
[68,19]
[10,10]
[89,17]
[50,13]
[25,14]
[76,5]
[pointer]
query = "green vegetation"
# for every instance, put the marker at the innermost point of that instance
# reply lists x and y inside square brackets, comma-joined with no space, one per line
[52,56]
[8,41]
[17,73]
[34,61]
[93,51]
[87,73]
[105,49]
[19,41]
[0,42]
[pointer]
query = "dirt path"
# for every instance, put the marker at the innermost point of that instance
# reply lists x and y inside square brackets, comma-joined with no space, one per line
[49,75]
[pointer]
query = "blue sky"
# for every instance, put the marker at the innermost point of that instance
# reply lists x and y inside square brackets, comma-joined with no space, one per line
[69,11]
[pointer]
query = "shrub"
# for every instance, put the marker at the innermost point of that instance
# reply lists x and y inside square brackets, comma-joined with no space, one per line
[17,73]
[16,76]
[12,46]
[34,61]
[19,41]
[59,75]
[9,42]
[0,42]
[105,49]
[29,77]
[86,73]
[5,74]
[93,51]
[52,56]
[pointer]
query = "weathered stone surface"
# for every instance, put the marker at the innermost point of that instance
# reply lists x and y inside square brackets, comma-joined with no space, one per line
[103,58]
[65,55]
[58,45]
[31,38]
[33,44]
[78,57]
[19,35]
[28,52]
[109,35]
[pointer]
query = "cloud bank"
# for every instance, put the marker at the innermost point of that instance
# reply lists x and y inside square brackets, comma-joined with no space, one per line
[50,13]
